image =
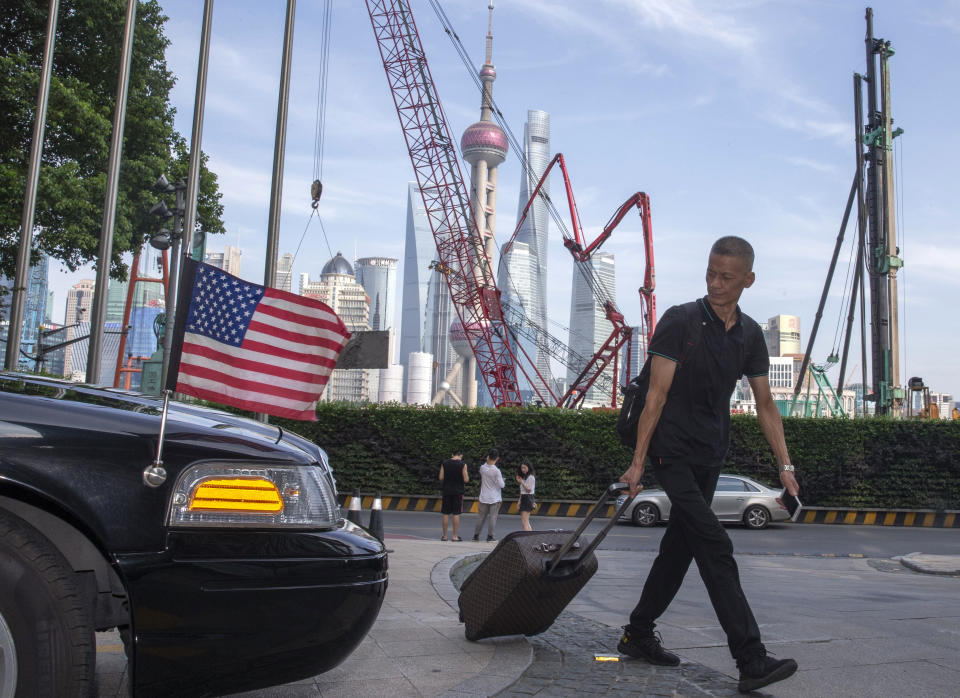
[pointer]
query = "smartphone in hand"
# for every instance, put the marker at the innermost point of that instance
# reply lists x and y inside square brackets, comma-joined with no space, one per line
[792,504]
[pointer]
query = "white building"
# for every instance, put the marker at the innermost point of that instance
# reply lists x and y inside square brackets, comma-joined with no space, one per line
[79,301]
[589,327]
[285,272]
[782,333]
[228,260]
[338,288]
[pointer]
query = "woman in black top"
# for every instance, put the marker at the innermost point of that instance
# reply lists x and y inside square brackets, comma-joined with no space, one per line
[527,482]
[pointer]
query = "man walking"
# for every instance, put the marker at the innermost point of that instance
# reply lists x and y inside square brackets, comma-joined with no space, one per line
[453,473]
[488,504]
[684,428]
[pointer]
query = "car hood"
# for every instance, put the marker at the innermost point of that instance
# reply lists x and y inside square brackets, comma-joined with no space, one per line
[185,422]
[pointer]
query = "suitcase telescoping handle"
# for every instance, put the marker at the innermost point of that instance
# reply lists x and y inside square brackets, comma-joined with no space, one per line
[591,515]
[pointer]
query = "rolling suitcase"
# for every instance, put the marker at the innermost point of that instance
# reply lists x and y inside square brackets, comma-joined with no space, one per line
[530,577]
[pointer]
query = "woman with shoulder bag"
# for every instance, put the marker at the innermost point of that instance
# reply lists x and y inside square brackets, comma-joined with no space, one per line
[527,482]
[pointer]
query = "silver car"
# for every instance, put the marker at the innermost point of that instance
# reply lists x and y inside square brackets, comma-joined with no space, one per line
[737,499]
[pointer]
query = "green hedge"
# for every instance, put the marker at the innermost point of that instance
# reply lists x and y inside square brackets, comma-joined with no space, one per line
[840,462]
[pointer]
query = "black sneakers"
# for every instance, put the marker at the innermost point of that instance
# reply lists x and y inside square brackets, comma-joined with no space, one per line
[635,644]
[760,670]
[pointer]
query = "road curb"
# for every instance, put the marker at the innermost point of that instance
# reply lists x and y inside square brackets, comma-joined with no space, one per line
[927,518]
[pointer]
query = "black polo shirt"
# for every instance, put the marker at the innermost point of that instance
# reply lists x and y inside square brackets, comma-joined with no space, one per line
[695,423]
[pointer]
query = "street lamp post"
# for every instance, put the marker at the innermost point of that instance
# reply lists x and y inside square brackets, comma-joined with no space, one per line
[170,239]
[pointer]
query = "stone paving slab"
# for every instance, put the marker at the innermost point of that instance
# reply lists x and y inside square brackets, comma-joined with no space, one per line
[932,564]
[565,665]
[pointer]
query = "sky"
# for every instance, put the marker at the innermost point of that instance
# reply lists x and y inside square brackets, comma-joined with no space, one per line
[735,116]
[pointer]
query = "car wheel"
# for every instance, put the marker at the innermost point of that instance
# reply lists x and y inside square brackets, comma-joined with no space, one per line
[46,638]
[756,517]
[645,514]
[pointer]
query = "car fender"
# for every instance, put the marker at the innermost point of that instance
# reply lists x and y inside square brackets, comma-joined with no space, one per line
[97,577]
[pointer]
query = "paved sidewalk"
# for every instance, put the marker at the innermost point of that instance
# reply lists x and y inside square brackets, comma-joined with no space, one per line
[877,627]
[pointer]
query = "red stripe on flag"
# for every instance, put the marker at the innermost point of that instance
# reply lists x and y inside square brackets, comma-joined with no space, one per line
[250,365]
[298,337]
[279,353]
[252,405]
[247,385]
[328,321]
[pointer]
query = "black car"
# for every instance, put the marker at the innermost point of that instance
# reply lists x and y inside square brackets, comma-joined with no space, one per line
[228,568]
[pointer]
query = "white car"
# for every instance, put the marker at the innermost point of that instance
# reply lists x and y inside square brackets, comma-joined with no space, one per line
[737,499]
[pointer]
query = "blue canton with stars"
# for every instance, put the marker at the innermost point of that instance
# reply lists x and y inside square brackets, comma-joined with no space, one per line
[222,306]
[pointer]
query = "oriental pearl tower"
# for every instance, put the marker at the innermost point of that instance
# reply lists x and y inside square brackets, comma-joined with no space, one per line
[484,146]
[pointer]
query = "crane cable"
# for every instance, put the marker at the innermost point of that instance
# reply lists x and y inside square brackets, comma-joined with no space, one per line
[319,140]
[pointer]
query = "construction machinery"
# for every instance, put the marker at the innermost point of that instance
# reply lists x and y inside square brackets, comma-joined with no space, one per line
[466,264]
[927,409]
[592,370]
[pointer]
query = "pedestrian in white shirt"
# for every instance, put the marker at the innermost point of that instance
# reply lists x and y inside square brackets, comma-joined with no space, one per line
[488,506]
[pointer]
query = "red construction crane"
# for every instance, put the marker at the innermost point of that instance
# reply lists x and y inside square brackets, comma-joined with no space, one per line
[620,334]
[445,197]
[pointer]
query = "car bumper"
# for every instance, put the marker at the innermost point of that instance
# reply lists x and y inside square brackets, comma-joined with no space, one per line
[221,611]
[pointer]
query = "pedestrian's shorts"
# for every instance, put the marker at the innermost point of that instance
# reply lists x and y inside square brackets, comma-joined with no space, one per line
[452,504]
[526,503]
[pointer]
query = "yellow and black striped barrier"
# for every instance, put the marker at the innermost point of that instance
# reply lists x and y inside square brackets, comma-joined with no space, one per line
[881,517]
[820,515]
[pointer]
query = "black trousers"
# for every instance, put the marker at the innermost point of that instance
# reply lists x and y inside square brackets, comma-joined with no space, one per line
[694,533]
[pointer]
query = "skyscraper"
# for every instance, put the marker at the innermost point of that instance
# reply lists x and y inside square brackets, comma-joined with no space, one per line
[285,272]
[589,327]
[338,288]
[79,300]
[783,336]
[378,276]
[484,146]
[630,370]
[418,251]
[35,309]
[523,282]
[448,366]
[228,260]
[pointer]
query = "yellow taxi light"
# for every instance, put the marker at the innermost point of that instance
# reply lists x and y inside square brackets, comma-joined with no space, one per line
[249,495]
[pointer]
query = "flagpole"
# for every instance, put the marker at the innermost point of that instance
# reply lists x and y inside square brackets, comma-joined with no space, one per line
[279,150]
[19,298]
[155,474]
[105,251]
[193,184]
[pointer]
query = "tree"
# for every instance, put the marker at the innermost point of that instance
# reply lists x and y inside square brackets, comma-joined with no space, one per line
[70,196]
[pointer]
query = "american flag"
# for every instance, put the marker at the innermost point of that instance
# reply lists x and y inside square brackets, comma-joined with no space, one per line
[251,347]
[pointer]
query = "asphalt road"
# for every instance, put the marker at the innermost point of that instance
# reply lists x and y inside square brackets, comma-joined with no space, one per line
[777,539]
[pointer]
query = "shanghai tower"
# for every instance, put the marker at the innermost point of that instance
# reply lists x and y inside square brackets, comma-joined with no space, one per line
[523,269]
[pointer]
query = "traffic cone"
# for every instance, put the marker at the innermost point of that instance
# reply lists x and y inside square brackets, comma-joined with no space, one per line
[376,517]
[353,515]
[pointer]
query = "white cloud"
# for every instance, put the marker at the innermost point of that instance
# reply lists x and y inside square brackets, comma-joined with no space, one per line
[812,164]
[707,21]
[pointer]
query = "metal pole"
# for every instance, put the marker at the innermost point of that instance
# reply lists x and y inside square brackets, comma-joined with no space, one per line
[826,288]
[879,308]
[279,146]
[193,180]
[105,251]
[18,301]
[890,233]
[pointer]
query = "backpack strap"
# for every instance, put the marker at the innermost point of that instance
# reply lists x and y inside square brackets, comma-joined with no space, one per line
[694,330]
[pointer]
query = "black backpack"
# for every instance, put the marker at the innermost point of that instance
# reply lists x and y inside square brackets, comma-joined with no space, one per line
[635,392]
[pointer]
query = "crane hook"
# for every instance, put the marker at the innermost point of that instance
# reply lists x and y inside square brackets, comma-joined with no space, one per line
[316,189]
